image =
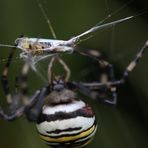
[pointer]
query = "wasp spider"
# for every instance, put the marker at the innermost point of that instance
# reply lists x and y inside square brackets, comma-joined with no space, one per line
[63,119]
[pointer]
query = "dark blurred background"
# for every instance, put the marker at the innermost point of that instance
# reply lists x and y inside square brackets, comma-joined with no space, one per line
[124,125]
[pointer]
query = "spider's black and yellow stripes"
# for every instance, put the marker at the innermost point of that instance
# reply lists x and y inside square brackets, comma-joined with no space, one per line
[67,125]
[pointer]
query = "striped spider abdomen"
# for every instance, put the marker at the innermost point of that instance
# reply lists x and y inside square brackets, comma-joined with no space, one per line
[69,123]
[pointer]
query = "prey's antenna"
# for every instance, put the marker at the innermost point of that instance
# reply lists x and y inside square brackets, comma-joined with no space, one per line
[47,19]
[83,36]
[5,45]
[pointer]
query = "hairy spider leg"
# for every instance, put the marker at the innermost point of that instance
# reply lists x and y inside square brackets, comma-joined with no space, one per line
[134,62]
[49,69]
[33,110]
[87,88]
[22,80]
[31,105]
[20,111]
[21,87]
[65,67]
[4,78]
[96,55]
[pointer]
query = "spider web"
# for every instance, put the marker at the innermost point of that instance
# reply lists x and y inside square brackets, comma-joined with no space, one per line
[109,14]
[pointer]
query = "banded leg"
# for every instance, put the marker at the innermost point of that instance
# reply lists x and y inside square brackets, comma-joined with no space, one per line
[96,55]
[4,78]
[20,97]
[97,91]
[34,109]
[20,111]
[104,77]
[5,84]
[90,87]
[21,85]
[35,102]
[134,62]
[130,66]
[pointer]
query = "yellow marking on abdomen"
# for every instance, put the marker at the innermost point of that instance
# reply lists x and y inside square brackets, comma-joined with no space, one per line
[69,138]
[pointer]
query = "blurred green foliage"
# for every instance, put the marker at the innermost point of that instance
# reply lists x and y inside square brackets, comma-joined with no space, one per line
[122,126]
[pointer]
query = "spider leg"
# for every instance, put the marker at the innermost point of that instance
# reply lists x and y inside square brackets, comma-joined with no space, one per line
[111,85]
[134,62]
[13,116]
[20,97]
[65,67]
[4,78]
[20,111]
[126,72]
[21,85]
[96,55]
[113,99]
[23,78]
[34,109]
[92,90]
[31,107]
[50,65]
